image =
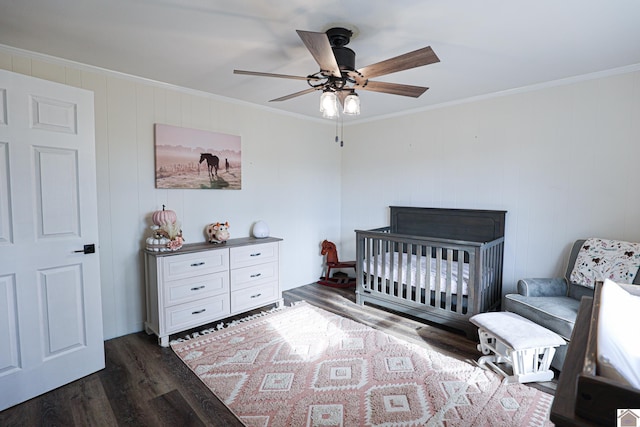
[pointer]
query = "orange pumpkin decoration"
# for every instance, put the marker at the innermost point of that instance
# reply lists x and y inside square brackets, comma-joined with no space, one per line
[162,217]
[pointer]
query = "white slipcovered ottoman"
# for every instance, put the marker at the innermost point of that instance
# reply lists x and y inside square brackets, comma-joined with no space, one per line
[509,338]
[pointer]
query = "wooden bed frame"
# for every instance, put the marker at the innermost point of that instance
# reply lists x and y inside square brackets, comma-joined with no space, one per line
[438,237]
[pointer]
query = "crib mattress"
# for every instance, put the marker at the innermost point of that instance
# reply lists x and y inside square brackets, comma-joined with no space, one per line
[417,270]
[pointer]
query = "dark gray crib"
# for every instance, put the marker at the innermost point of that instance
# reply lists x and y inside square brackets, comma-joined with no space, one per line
[441,265]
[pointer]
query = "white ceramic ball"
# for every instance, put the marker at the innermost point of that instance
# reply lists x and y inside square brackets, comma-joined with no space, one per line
[260,230]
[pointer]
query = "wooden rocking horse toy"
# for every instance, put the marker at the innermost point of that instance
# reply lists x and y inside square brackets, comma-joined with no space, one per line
[332,261]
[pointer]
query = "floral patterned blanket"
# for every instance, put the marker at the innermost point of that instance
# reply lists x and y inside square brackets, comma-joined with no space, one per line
[600,259]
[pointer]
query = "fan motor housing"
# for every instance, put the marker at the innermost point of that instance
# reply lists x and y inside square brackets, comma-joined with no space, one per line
[338,38]
[345,57]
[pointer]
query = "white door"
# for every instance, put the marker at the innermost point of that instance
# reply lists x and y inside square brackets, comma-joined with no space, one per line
[50,308]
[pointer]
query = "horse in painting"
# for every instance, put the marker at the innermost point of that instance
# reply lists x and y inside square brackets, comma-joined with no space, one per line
[213,163]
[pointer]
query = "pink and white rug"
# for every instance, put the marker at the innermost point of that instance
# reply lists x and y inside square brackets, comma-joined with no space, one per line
[304,366]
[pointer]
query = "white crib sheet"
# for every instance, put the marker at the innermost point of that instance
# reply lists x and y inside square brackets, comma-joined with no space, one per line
[402,271]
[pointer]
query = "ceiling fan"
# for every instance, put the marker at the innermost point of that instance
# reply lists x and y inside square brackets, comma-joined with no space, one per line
[338,77]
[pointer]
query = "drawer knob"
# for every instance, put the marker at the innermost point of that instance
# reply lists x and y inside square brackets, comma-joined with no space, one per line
[256,275]
[255,296]
[197,264]
[197,288]
[256,254]
[199,311]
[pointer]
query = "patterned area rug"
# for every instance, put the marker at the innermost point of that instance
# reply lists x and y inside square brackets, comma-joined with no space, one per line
[304,366]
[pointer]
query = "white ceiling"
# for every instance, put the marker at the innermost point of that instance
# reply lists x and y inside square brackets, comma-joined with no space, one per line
[484,46]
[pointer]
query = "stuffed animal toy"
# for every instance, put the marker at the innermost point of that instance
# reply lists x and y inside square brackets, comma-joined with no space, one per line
[218,232]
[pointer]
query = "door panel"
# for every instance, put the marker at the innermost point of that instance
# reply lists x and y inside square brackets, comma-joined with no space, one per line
[58,207]
[5,212]
[53,114]
[50,307]
[8,325]
[61,309]
[3,106]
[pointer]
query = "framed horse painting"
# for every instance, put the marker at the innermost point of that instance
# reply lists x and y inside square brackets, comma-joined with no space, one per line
[192,158]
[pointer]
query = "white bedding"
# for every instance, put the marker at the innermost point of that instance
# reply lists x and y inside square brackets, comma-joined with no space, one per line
[412,279]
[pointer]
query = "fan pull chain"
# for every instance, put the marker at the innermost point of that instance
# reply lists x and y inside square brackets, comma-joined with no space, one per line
[340,138]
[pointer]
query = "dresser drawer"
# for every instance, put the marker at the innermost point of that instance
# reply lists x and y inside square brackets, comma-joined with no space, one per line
[193,288]
[192,314]
[196,264]
[250,276]
[246,299]
[254,254]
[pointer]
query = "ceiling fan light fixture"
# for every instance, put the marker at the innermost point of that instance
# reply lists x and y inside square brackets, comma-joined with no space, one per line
[352,104]
[338,76]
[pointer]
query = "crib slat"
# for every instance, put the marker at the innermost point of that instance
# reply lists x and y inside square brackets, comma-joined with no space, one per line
[365,278]
[407,289]
[496,265]
[438,294]
[376,272]
[448,280]
[426,299]
[408,262]
[388,265]
[383,265]
[483,289]
[471,284]
[460,281]
[396,291]
[488,291]
[420,285]
[371,261]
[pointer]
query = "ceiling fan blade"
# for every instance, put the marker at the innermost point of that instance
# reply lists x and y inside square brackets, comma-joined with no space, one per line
[320,48]
[394,89]
[281,76]
[417,58]
[293,95]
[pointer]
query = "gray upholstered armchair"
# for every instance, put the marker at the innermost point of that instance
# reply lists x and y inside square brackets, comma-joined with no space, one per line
[552,303]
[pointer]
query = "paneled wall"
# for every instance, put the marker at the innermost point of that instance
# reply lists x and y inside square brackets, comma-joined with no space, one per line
[562,160]
[290,174]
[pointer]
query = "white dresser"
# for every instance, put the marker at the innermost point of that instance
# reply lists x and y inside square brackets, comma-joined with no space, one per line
[204,282]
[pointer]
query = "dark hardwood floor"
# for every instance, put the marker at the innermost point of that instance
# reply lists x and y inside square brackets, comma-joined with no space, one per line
[144,384]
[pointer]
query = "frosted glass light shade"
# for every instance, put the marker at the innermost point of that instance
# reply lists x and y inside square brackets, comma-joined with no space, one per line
[329,105]
[260,230]
[352,104]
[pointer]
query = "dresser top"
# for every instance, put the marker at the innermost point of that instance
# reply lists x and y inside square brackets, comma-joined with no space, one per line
[206,246]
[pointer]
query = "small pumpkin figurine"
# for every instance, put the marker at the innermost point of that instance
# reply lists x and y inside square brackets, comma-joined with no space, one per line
[163,217]
[167,234]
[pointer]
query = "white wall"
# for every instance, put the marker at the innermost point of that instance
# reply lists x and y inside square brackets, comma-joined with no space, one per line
[563,161]
[290,173]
